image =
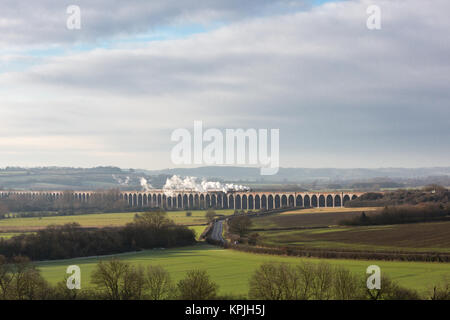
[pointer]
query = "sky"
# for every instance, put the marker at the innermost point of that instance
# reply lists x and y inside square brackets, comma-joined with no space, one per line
[112,92]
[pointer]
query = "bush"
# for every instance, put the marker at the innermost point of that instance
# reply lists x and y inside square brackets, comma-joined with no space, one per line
[390,290]
[441,291]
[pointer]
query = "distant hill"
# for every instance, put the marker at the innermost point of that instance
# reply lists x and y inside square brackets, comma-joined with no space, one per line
[57,178]
[306,174]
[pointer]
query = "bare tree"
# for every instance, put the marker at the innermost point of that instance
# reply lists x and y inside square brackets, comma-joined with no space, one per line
[240,225]
[27,282]
[210,215]
[323,281]
[276,282]
[263,284]
[347,286]
[5,278]
[158,283]
[108,277]
[156,219]
[197,286]
[133,284]
[306,273]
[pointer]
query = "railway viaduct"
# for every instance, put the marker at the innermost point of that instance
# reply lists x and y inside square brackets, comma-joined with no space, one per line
[247,200]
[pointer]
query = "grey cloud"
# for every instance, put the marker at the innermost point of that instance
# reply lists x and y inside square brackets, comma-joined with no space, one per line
[44,22]
[328,83]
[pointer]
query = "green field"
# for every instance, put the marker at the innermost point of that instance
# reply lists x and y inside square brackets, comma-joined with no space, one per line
[198,230]
[7,235]
[100,220]
[232,269]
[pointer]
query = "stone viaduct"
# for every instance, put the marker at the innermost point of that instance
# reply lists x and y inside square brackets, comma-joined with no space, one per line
[183,199]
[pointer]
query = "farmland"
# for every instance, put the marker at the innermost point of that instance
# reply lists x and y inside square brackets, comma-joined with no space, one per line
[420,237]
[232,269]
[99,220]
[320,230]
[313,217]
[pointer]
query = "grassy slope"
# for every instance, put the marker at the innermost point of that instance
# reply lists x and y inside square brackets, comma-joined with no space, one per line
[100,220]
[232,269]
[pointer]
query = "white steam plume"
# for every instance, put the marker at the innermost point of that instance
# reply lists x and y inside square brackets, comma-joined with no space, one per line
[145,185]
[121,181]
[192,184]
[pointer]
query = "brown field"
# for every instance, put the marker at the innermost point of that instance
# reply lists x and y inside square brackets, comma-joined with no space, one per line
[420,235]
[319,228]
[417,237]
[305,219]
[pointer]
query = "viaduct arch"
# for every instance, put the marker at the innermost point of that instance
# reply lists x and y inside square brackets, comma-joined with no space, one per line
[246,200]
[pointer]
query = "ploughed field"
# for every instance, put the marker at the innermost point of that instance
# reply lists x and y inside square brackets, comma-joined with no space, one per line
[321,230]
[232,269]
[314,217]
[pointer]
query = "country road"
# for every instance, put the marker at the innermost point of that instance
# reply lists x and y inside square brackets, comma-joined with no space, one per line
[216,233]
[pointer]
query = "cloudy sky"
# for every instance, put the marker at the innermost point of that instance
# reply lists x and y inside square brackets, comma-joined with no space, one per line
[112,92]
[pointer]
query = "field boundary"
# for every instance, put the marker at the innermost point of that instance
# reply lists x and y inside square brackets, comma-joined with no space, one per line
[337,254]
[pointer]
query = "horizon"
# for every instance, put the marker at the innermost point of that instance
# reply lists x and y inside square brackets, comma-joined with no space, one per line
[211,166]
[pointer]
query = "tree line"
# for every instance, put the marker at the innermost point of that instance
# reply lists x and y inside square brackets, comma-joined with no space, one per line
[429,194]
[118,280]
[402,214]
[99,201]
[148,230]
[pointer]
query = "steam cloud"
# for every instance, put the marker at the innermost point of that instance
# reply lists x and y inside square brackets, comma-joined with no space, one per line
[192,184]
[121,181]
[145,185]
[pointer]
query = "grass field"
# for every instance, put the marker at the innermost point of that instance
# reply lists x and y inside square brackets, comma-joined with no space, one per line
[99,220]
[7,235]
[198,230]
[232,269]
